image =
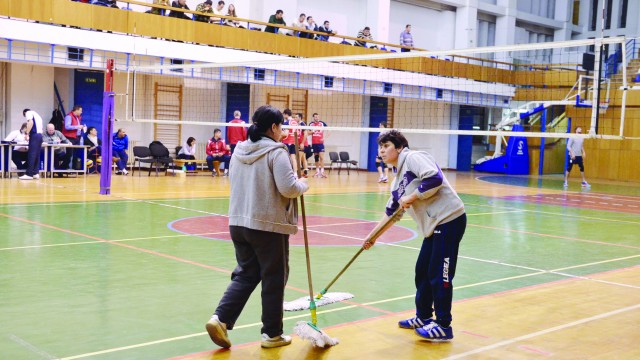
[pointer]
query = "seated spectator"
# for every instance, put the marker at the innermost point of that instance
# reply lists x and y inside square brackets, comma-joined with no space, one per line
[217,150]
[275,19]
[364,34]
[93,142]
[218,11]
[108,3]
[120,145]
[311,25]
[326,28]
[188,152]
[60,155]
[180,4]
[231,11]
[158,11]
[19,153]
[205,8]
[300,24]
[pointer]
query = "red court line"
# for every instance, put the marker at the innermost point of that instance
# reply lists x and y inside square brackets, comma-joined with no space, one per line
[554,236]
[152,252]
[582,201]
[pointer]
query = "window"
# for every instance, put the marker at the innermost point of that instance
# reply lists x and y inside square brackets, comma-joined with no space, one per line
[575,20]
[388,88]
[177,62]
[328,81]
[594,15]
[258,74]
[607,19]
[439,93]
[623,13]
[75,54]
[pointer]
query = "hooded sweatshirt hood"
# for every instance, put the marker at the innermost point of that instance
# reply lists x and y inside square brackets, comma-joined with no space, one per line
[248,152]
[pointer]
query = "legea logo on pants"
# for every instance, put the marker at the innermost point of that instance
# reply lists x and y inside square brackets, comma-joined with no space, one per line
[445,271]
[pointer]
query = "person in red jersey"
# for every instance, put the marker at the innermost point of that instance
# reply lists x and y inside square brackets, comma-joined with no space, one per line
[236,134]
[317,144]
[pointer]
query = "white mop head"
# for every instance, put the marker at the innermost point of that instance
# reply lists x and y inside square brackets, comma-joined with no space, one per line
[328,298]
[318,338]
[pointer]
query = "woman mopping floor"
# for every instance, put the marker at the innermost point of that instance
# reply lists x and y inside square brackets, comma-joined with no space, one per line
[262,215]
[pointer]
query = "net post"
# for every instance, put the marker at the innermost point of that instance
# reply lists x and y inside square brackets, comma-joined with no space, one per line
[595,101]
[107,130]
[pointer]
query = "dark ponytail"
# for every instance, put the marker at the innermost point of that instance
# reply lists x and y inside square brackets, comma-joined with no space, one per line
[263,119]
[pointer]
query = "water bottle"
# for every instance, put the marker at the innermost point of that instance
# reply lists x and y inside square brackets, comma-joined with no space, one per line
[184,168]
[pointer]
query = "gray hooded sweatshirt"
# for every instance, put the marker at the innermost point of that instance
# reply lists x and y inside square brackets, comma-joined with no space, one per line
[437,202]
[264,188]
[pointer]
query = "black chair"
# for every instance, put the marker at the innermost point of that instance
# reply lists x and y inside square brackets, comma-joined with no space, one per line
[335,159]
[160,156]
[141,154]
[344,159]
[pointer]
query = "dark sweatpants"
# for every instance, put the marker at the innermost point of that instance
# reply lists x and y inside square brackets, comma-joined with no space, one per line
[262,256]
[435,269]
[33,154]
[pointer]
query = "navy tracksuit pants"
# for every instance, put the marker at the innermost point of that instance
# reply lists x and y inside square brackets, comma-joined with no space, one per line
[435,269]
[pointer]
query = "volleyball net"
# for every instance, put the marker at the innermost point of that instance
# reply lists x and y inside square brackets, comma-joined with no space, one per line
[539,90]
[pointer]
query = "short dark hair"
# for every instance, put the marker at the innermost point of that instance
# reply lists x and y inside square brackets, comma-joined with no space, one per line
[300,116]
[384,124]
[76,107]
[216,131]
[326,21]
[263,119]
[279,12]
[24,112]
[220,3]
[314,114]
[395,137]
[366,28]
[191,140]
[90,128]
[407,26]
[303,14]
[287,112]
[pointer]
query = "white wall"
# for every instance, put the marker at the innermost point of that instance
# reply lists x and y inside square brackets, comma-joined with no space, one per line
[29,86]
[425,23]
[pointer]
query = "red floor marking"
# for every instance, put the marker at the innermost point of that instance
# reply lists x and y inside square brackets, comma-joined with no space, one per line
[534,350]
[323,230]
[580,201]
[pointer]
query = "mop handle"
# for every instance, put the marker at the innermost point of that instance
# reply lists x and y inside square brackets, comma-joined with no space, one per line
[373,236]
[312,304]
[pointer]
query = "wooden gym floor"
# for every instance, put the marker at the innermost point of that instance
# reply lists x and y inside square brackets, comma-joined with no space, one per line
[543,272]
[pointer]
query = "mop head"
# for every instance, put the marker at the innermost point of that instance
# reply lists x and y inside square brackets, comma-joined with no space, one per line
[303,303]
[307,331]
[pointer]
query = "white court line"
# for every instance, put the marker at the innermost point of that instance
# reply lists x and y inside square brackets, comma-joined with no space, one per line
[543,332]
[118,240]
[339,309]
[559,214]
[542,271]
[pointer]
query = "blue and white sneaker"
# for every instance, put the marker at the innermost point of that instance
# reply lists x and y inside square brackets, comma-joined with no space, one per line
[434,332]
[585,184]
[414,323]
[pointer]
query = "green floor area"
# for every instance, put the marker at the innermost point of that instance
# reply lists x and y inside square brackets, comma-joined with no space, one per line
[113,280]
